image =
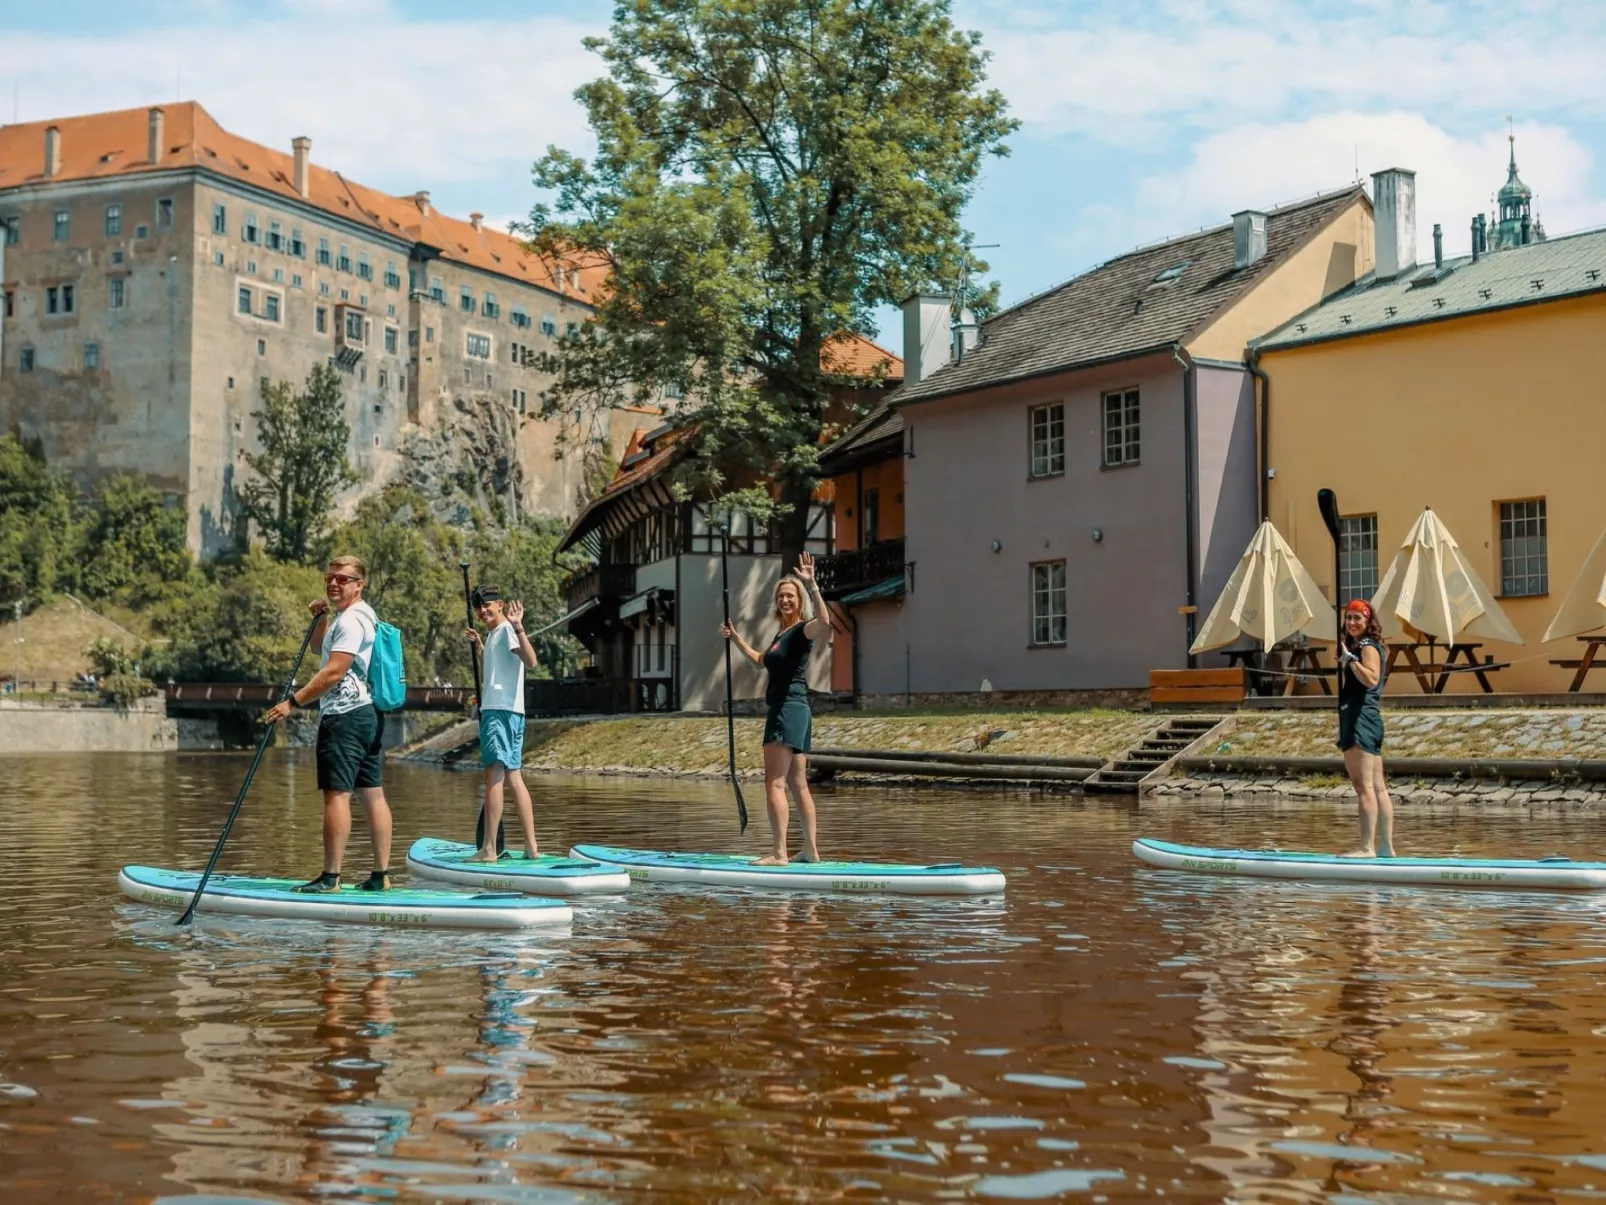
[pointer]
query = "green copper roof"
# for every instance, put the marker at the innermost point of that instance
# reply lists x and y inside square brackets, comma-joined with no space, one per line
[1514,189]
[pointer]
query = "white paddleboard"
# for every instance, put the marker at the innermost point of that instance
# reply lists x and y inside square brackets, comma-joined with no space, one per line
[412,907]
[734,870]
[1511,874]
[448,862]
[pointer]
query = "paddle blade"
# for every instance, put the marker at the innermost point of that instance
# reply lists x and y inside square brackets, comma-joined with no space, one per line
[741,806]
[1327,503]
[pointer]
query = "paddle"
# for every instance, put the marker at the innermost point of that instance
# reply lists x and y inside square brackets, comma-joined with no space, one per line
[239,800]
[730,689]
[1327,503]
[474,664]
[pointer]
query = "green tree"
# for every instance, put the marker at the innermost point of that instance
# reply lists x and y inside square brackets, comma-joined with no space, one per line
[521,561]
[302,464]
[243,625]
[133,543]
[768,172]
[37,527]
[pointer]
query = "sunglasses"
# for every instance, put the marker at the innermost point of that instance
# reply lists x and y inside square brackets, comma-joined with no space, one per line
[339,579]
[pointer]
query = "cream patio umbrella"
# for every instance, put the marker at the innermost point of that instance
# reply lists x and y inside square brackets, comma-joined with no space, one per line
[1584,608]
[1430,590]
[1270,596]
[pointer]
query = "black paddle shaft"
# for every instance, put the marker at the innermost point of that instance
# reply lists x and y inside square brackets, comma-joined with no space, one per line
[474,664]
[730,688]
[239,800]
[1327,503]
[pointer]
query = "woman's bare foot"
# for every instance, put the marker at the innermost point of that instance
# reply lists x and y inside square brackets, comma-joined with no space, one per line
[1359,853]
[771,860]
[808,855]
[482,855]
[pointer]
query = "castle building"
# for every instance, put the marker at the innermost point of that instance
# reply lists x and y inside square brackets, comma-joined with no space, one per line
[158,270]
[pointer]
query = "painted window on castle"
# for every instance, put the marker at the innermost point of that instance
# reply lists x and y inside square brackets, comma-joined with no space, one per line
[320,320]
[91,357]
[323,252]
[492,309]
[164,213]
[392,276]
[354,326]
[25,360]
[116,293]
[437,289]
[251,232]
[1524,549]
[344,262]
[59,299]
[1048,603]
[63,228]
[243,300]
[270,306]
[1121,444]
[1048,440]
[1357,557]
[549,325]
[114,219]
[477,345]
[465,301]
[390,339]
[364,269]
[11,302]
[275,236]
[12,225]
[521,317]
[298,245]
[220,219]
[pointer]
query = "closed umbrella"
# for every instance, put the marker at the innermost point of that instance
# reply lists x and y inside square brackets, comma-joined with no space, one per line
[1431,591]
[1269,596]
[1584,608]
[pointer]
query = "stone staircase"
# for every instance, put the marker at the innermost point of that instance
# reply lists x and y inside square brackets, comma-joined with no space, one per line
[1122,776]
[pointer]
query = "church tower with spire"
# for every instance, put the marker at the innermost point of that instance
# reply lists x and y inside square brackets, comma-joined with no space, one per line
[1513,224]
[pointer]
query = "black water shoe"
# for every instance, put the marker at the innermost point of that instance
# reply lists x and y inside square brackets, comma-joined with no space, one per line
[379,880]
[325,884]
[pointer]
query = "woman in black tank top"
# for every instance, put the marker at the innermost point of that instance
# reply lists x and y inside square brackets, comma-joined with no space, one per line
[1361,675]
[788,723]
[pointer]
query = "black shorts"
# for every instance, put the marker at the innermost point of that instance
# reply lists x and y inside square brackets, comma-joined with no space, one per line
[351,750]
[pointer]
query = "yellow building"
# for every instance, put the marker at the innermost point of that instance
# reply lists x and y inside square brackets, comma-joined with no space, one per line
[1476,386]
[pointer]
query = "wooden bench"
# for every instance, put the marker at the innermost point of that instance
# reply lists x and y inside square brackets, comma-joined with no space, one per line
[1585,663]
[1196,686]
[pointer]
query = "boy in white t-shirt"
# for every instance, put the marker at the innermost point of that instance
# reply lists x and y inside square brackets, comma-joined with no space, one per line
[505,653]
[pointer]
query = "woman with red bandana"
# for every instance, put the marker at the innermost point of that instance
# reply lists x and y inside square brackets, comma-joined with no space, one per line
[1361,674]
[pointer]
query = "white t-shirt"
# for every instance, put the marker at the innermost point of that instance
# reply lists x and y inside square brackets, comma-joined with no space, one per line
[351,631]
[502,671]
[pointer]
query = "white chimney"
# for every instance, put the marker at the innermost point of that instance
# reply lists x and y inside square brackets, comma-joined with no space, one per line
[303,173]
[1394,218]
[52,152]
[474,219]
[421,199]
[1248,237]
[926,337]
[155,128]
[966,336]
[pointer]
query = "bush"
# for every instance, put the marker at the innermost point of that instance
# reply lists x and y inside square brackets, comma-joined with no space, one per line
[244,625]
[124,690]
[108,656]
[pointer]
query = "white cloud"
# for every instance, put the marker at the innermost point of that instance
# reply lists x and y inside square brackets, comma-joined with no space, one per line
[422,104]
[1262,164]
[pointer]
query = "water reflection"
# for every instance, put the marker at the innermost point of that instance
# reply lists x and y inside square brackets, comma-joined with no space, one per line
[1102,1032]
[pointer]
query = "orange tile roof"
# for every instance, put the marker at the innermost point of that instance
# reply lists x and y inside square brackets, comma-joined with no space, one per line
[113,145]
[851,355]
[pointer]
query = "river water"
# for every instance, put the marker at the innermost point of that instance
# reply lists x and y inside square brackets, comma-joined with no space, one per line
[1103,1032]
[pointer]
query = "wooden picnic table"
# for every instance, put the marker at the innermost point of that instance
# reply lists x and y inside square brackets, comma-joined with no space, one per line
[1585,663]
[1432,675]
[1305,662]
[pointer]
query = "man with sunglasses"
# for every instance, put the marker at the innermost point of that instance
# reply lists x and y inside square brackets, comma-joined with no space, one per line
[351,729]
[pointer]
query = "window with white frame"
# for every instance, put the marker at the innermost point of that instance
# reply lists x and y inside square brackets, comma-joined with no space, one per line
[63,228]
[1357,557]
[251,233]
[114,219]
[1048,440]
[60,299]
[116,293]
[477,345]
[1121,445]
[220,218]
[354,329]
[1048,603]
[1524,549]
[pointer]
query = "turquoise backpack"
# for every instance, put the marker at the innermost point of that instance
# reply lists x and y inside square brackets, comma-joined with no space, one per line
[387,672]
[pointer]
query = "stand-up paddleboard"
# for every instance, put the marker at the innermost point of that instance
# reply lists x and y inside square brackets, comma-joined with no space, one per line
[448,861]
[411,907]
[732,870]
[1510,874]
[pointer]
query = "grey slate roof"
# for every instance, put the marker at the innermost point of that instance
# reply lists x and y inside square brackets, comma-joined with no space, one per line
[882,423]
[1118,309]
[1568,266]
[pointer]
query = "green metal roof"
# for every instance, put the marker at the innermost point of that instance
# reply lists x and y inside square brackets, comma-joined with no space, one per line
[1571,266]
[891,588]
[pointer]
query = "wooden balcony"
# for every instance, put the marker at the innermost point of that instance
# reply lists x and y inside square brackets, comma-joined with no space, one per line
[844,572]
[605,583]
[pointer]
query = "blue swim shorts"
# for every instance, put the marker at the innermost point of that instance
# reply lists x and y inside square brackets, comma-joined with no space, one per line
[502,739]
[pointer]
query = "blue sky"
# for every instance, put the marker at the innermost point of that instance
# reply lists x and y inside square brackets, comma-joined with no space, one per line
[1141,120]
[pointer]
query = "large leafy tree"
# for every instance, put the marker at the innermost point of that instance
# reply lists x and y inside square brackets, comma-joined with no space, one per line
[302,465]
[767,173]
[133,543]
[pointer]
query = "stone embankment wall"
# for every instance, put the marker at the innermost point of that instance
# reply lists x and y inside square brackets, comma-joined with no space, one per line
[1469,736]
[695,746]
[69,728]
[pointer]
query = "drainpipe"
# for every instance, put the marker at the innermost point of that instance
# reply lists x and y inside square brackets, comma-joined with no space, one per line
[1189,375]
[1263,485]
